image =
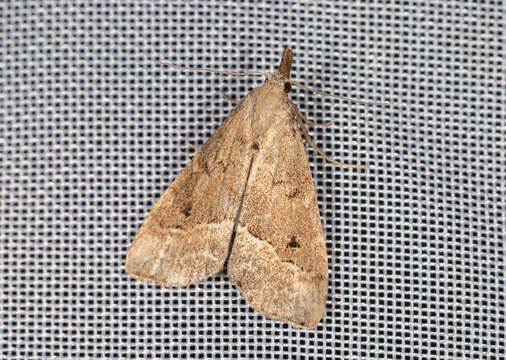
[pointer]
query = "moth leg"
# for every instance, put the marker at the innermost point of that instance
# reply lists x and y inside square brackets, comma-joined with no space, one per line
[229,99]
[306,120]
[318,125]
[318,150]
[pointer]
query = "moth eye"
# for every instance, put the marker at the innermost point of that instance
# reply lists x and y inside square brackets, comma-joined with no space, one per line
[255,146]
[288,87]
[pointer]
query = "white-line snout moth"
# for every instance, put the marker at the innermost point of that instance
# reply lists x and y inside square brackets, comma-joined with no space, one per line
[247,196]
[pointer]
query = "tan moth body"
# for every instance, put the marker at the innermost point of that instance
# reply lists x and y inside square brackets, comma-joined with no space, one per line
[246,196]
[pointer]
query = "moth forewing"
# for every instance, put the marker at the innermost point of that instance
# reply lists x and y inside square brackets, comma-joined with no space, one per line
[186,236]
[278,259]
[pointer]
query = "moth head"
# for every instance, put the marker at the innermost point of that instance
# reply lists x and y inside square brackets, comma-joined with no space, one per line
[279,80]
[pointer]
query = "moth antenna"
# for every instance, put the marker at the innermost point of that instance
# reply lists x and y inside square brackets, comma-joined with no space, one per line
[310,141]
[323,93]
[231,73]
[229,99]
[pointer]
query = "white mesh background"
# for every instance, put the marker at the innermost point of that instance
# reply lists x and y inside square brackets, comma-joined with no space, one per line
[93,130]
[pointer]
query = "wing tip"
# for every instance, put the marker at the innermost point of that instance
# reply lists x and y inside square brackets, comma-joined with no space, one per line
[278,289]
[148,275]
[303,313]
[178,258]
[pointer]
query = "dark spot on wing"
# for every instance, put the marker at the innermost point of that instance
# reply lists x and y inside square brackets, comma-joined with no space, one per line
[293,242]
[276,182]
[223,166]
[187,209]
[255,146]
[293,194]
[205,168]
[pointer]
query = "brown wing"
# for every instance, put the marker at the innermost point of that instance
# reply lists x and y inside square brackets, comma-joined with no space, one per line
[278,259]
[186,236]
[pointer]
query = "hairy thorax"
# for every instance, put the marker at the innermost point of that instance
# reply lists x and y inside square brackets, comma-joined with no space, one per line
[271,107]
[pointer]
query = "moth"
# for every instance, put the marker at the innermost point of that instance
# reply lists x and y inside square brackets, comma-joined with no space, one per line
[245,201]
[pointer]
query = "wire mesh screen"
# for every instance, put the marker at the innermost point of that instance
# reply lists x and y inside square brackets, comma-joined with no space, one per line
[94,129]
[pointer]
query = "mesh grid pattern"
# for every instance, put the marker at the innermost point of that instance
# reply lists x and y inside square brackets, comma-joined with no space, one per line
[93,130]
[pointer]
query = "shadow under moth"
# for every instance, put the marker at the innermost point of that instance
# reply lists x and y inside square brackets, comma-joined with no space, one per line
[246,200]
